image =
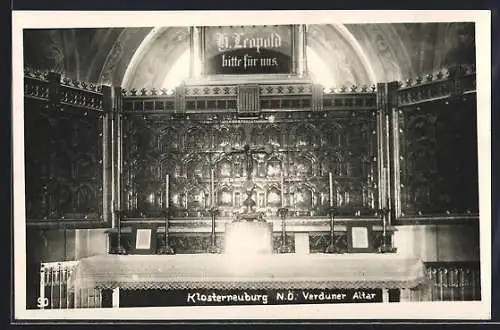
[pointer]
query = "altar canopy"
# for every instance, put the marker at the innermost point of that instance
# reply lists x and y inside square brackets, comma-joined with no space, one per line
[221,272]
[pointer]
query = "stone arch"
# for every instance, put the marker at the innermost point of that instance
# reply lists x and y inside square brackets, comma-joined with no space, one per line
[156,54]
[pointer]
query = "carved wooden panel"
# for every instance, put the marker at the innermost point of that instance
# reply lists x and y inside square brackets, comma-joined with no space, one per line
[318,242]
[63,157]
[277,242]
[306,147]
[438,159]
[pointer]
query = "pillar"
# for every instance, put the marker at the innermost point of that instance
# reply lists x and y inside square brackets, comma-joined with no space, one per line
[300,46]
[113,143]
[197,52]
[386,107]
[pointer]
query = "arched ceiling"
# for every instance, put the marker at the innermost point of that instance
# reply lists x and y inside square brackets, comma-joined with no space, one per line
[353,54]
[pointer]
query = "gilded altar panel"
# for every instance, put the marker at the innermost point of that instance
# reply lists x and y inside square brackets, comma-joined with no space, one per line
[305,148]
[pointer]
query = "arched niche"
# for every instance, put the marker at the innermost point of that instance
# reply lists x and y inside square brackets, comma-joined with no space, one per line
[225,196]
[274,167]
[233,136]
[169,139]
[266,134]
[305,135]
[224,168]
[197,167]
[195,138]
[303,165]
[274,196]
[197,199]
[85,199]
[332,133]
[179,199]
[303,197]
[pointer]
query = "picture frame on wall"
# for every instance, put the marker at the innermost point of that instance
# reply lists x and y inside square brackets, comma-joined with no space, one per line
[143,239]
[359,237]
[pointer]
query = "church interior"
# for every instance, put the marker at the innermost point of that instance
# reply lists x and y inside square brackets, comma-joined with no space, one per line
[324,151]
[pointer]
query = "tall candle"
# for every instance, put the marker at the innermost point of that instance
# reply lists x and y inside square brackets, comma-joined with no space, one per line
[212,189]
[167,191]
[330,177]
[282,191]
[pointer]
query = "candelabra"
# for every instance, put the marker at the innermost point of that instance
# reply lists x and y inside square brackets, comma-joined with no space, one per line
[119,247]
[213,246]
[385,247]
[166,248]
[284,248]
[332,247]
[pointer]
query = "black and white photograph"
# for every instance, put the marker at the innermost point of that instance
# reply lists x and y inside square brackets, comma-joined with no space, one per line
[251,165]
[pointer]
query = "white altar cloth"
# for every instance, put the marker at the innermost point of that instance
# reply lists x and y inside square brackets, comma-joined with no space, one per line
[274,271]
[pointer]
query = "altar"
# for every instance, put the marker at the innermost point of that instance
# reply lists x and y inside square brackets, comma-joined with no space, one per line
[262,273]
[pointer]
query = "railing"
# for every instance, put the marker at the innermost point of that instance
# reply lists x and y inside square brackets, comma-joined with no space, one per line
[54,291]
[454,281]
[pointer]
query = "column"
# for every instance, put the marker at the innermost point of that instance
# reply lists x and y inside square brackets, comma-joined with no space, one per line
[392,159]
[107,163]
[119,146]
[301,46]
[381,154]
[393,146]
[386,106]
[197,52]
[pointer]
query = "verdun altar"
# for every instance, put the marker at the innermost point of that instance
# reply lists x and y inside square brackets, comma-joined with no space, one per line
[249,175]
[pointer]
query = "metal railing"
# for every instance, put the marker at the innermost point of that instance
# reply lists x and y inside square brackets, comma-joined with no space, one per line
[454,281]
[54,291]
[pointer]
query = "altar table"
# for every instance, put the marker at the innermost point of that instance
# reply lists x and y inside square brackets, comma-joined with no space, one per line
[225,272]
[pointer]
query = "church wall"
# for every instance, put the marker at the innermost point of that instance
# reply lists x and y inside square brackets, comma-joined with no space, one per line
[438,243]
[90,242]
[55,245]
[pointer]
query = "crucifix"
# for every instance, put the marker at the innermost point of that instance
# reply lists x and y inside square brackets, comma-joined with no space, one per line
[248,153]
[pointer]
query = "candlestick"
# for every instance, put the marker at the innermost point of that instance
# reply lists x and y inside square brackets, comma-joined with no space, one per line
[213,212]
[213,246]
[166,248]
[212,189]
[330,177]
[284,247]
[282,191]
[167,191]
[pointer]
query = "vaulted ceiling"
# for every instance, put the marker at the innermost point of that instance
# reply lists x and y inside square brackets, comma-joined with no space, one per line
[352,54]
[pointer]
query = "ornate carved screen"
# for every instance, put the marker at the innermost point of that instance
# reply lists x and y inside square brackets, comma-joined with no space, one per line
[435,134]
[63,152]
[307,146]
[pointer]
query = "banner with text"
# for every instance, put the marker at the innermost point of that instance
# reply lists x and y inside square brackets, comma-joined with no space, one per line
[248,49]
[164,298]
